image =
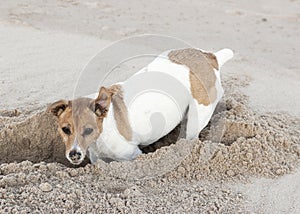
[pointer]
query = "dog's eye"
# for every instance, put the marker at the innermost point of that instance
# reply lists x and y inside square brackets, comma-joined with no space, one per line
[88,131]
[66,130]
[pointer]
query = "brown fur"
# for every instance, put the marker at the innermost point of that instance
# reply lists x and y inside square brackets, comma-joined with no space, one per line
[212,60]
[121,113]
[202,76]
[83,113]
[77,115]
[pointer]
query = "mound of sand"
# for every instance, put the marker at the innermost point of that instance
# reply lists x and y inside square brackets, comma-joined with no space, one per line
[189,176]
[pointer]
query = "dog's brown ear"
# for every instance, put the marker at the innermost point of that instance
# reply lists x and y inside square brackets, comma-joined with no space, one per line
[102,102]
[58,107]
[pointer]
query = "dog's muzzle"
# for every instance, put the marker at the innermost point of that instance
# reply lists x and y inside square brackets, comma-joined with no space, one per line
[75,156]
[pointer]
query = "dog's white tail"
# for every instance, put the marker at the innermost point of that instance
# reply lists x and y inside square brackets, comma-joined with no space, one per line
[223,56]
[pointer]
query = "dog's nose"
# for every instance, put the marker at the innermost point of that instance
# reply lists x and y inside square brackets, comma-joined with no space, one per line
[74,155]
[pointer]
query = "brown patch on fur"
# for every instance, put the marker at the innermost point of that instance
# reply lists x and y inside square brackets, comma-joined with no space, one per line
[85,113]
[120,112]
[202,76]
[58,107]
[212,60]
[102,102]
[77,115]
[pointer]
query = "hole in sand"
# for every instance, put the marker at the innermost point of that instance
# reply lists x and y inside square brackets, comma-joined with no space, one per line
[236,141]
[32,137]
[35,137]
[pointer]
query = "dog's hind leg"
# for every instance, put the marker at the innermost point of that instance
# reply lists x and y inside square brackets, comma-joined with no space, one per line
[198,117]
[192,121]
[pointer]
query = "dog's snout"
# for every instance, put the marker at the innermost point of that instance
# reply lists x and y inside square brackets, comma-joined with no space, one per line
[75,155]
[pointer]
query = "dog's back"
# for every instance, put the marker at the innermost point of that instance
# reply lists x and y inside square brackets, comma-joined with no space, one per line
[158,96]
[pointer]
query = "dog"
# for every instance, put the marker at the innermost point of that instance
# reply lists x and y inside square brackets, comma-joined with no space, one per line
[147,106]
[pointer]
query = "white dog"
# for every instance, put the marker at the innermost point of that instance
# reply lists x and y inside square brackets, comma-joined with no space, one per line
[144,108]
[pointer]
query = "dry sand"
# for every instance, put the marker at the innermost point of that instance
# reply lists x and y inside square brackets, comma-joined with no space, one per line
[190,176]
[246,160]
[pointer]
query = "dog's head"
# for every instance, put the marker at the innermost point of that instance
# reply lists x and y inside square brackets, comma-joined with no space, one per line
[80,122]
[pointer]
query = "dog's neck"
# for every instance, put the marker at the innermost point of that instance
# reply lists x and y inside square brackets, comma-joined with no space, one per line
[111,143]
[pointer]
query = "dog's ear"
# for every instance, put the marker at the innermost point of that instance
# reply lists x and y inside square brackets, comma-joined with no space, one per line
[102,102]
[58,107]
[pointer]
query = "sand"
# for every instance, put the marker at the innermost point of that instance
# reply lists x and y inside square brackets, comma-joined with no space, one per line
[192,176]
[246,160]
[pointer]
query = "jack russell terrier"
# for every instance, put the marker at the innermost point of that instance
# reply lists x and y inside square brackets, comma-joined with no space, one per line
[144,108]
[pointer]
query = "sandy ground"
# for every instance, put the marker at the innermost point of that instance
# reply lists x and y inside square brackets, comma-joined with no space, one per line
[255,167]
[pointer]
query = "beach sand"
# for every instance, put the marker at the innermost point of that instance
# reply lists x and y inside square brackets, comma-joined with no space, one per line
[246,160]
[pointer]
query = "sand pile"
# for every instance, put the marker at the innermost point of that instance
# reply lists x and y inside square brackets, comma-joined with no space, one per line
[29,136]
[190,176]
[237,143]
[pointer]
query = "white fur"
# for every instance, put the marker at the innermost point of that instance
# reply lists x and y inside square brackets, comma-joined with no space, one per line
[158,105]
[223,56]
